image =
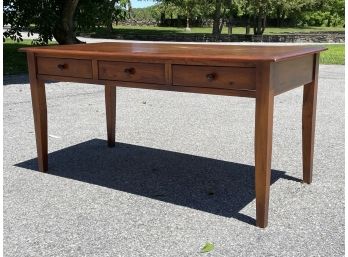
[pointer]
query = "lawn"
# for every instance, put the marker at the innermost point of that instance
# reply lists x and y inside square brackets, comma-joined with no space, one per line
[15,62]
[334,54]
[153,30]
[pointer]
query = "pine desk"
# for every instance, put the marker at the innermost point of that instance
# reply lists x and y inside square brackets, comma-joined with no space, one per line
[260,72]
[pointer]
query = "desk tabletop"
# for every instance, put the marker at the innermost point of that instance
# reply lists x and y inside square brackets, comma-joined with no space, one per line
[176,51]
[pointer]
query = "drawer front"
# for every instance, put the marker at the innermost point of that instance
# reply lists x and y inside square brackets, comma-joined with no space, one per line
[64,67]
[134,72]
[238,78]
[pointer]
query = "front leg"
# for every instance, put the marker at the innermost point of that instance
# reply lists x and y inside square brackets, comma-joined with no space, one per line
[263,143]
[308,122]
[110,108]
[38,98]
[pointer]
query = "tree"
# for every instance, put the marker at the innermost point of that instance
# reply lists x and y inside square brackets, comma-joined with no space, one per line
[101,13]
[217,22]
[51,19]
[64,28]
[56,18]
[219,10]
[257,11]
[187,7]
[224,12]
[334,10]
[163,9]
[282,9]
[260,9]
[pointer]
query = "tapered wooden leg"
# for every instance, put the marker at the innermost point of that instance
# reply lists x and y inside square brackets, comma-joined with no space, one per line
[38,97]
[308,123]
[110,106]
[263,145]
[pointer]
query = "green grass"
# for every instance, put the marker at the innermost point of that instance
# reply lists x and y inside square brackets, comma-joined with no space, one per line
[15,62]
[334,55]
[153,30]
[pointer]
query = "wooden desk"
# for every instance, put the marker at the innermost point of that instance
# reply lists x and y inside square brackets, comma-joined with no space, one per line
[261,72]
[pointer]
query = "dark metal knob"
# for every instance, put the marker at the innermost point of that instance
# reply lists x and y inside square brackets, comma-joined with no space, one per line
[211,76]
[62,66]
[129,71]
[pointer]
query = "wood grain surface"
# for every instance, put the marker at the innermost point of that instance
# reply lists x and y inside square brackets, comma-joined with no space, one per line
[206,52]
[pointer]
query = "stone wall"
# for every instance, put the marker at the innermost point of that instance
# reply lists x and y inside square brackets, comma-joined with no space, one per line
[317,37]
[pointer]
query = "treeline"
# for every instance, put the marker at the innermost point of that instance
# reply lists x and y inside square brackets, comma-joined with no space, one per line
[61,19]
[249,13]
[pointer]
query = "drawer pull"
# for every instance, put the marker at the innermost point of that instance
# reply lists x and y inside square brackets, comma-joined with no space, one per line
[211,76]
[62,66]
[129,71]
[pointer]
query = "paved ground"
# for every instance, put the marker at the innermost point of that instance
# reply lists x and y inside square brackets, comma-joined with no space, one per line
[180,175]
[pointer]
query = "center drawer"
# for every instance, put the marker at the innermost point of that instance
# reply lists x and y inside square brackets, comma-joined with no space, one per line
[133,72]
[238,78]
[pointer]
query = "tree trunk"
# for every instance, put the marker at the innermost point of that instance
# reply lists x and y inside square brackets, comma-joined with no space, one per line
[109,26]
[254,25]
[64,30]
[188,24]
[163,17]
[247,24]
[259,25]
[278,16]
[222,21]
[230,18]
[247,29]
[263,25]
[188,15]
[282,19]
[259,22]
[230,21]
[217,17]
[110,20]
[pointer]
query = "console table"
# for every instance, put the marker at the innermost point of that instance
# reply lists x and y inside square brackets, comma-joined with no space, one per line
[260,72]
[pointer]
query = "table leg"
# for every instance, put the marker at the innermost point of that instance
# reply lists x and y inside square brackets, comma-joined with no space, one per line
[38,97]
[308,123]
[110,107]
[263,147]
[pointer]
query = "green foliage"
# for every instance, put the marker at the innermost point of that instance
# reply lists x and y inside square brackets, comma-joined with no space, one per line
[46,15]
[314,18]
[208,247]
[294,12]
[42,16]
[166,8]
[21,14]
[93,14]
[187,8]
[147,14]
[319,13]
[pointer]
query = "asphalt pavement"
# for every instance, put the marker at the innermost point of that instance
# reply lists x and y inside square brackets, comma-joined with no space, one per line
[181,175]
